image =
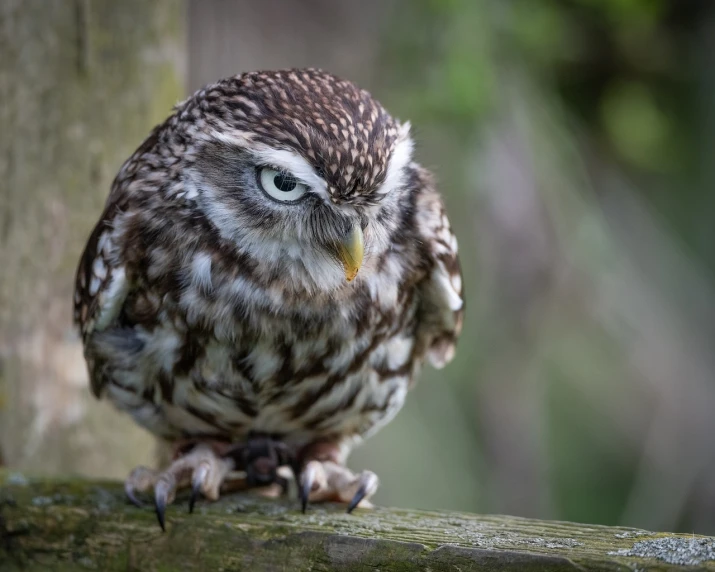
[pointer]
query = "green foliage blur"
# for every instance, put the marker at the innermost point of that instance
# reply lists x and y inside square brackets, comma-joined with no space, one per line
[573,140]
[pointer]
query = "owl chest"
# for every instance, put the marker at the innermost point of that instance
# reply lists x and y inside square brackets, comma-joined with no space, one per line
[328,376]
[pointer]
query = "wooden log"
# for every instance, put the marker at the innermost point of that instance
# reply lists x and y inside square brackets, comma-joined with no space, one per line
[74,524]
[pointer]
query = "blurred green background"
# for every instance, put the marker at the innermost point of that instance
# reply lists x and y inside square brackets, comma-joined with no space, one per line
[573,141]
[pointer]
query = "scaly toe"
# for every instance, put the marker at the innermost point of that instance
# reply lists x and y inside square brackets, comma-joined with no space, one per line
[200,467]
[164,491]
[329,481]
[313,484]
[367,483]
[140,480]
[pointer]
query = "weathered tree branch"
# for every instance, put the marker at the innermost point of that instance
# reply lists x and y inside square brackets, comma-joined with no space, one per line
[76,524]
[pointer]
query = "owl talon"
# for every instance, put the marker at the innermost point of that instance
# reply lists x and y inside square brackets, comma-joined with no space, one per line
[304,492]
[207,479]
[368,483]
[133,499]
[160,509]
[312,479]
[197,480]
[164,492]
[140,480]
[200,467]
[205,468]
[130,491]
[305,485]
[356,499]
[330,481]
[284,484]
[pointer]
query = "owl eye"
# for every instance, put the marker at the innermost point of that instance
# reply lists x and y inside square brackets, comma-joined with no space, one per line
[280,185]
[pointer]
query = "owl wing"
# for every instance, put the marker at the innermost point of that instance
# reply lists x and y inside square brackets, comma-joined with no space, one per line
[441,301]
[102,283]
[101,287]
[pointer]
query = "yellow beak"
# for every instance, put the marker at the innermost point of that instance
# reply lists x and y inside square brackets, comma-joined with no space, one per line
[350,251]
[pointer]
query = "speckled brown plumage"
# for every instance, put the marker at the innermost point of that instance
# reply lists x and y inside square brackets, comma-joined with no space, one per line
[209,308]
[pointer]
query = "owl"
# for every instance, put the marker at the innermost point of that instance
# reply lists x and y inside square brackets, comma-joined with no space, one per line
[270,272]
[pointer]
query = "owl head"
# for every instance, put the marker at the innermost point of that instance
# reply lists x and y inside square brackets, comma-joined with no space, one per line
[302,170]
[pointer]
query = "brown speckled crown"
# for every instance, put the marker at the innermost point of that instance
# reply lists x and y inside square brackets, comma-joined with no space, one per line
[336,126]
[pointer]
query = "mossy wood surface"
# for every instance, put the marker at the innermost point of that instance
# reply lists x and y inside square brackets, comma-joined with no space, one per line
[76,524]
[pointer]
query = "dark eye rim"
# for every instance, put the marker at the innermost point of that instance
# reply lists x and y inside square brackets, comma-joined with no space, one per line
[257,174]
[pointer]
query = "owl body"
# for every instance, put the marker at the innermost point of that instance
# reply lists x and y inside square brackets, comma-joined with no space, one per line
[269,260]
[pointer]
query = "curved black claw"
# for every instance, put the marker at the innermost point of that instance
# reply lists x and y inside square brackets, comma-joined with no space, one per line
[160,509]
[197,480]
[283,483]
[359,495]
[195,490]
[129,491]
[161,496]
[304,490]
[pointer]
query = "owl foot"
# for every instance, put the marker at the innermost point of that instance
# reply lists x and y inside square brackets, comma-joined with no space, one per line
[208,466]
[201,468]
[329,481]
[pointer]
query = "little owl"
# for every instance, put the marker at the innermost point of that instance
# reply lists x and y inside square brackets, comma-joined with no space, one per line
[270,271]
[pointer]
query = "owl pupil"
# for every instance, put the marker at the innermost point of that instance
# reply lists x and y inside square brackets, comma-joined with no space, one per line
[284,182]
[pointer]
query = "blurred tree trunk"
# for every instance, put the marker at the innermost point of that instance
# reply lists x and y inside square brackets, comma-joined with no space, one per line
[81,84]
[227,38]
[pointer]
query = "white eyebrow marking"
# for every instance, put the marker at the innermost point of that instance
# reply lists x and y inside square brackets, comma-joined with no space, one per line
[399,159]
[302,170]
[291,161]
[294,163]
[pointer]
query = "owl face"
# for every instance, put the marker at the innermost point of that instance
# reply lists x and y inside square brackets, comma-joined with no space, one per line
[303,171]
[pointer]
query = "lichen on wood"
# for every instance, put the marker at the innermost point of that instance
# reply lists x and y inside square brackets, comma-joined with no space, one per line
[73,524]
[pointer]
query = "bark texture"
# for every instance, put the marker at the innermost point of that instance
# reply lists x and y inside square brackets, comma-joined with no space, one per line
[76,525]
